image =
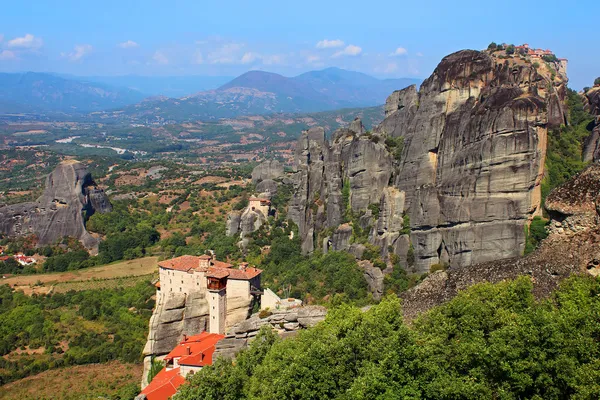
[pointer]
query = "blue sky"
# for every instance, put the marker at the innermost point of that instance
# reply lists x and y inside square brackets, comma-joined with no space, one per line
[204,37]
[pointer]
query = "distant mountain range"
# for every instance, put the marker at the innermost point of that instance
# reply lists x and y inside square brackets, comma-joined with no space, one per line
[170,86]
[34,92]
[259,92]
[253,93]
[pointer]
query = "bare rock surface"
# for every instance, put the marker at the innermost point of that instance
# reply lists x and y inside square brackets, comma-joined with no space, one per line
[468,176]
[270,169]
[284,322]
[70,192]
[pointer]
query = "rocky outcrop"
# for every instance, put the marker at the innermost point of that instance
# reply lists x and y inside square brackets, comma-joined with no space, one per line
[573,247]
[245,223]
[573,206]
[284,322]
[267,187]
[374,277]
[270,169]
[69,197]
[591,149]
[468,157]
[350,173]
[474,148]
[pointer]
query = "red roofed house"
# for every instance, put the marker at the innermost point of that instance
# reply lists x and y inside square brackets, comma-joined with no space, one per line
[23,259]
[190,356]
[217,280]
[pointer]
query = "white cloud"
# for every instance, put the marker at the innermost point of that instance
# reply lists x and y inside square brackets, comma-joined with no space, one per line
[419,54]
[130,44]
[160,58]
[226,54]
[7,55]
[26,42]
[330,44]
[79,52]
[350,50]
[249,57]
[312,59]
[400,51]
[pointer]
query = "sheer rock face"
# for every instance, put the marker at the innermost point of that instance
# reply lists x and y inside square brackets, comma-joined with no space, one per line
[474,148]
[469,177]
[270,169]
[572,247]
[70,191]
[591,149]
[322,169]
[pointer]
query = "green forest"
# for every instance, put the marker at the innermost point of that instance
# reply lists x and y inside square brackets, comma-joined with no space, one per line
[492,341]
[42,332]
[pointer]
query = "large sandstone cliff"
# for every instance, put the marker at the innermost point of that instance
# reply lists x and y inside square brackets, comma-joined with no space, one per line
[69,196]
[468,177]
[591,149]
[571,248]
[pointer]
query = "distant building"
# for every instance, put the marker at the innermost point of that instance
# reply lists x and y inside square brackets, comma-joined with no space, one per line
[259,204]
[23,259]
[189,357]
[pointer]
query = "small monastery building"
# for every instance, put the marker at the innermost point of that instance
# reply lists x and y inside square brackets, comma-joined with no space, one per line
[218,280]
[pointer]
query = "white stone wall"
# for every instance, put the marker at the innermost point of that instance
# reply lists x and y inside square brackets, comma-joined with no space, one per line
[237,288]
[181,282]
[184,370]
[217,303]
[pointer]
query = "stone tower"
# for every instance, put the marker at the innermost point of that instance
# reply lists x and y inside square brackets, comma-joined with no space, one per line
[217,300]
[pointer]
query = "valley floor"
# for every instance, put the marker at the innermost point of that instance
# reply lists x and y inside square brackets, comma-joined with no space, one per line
[104,276]
[77,382]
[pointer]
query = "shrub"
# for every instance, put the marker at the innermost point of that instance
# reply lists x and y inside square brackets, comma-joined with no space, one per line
[510,49]
[597,81]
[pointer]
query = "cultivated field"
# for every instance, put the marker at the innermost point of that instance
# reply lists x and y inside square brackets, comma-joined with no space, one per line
[125,273]
[93,381]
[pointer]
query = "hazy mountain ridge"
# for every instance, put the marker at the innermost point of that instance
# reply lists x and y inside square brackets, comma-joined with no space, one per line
[259,93]
[42,92]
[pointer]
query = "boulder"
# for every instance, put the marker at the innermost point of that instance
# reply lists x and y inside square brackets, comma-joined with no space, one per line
[267,187]
[374,277]
[270,169]
[70,195]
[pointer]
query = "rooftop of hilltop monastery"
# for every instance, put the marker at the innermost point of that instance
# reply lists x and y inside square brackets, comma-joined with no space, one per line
[211,267]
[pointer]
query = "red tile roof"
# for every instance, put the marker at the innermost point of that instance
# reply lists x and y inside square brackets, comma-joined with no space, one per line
[218,273]
[183,263]
[195,351]
[188,263]
[202,345]
[244,275]
[164,385]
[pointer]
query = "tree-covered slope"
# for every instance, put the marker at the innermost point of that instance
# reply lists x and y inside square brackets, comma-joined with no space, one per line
[490,342]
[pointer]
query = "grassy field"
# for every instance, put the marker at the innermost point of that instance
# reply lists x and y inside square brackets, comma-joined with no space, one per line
[111,275]
[93,381]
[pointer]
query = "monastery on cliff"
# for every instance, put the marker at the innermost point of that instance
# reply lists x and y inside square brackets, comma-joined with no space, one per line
[217,279]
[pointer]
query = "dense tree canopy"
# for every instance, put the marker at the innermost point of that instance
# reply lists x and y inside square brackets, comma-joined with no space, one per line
[73,328]
[490,342]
